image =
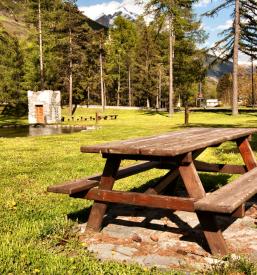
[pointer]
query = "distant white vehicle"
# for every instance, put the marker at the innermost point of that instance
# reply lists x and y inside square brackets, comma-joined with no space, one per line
[212,103]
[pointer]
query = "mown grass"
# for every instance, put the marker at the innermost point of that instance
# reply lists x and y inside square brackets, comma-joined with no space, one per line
[36,232]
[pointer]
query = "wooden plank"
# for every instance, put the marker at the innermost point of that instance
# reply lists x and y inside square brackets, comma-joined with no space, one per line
[192,181]
[140,142]
[247,153]
[231,196]
[106,183]
[239,212]
[212,233]
[80,185]
[169,178]
[219,168]
[135,169]
[170,144]
[133,146]
[147,200]
[74,186]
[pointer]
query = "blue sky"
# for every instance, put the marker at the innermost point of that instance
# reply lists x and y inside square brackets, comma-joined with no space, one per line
[213,26]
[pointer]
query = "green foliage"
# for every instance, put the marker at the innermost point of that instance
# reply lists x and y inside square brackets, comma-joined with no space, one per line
[232,265]
[11,62]
[135,54]
[248,29]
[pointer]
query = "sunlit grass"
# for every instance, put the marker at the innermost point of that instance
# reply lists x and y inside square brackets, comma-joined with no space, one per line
[36,234]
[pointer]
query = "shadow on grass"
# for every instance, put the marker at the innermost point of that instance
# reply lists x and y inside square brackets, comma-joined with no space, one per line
[7,120]
[206,125]
[191,234]
[152,113]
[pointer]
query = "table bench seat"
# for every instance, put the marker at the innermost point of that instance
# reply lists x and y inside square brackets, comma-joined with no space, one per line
[231,196]
[73,187]
[80,185]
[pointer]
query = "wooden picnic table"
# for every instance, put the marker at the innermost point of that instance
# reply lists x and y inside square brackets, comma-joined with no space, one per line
[176,151]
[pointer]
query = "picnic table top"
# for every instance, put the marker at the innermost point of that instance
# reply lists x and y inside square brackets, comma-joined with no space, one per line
[171,143]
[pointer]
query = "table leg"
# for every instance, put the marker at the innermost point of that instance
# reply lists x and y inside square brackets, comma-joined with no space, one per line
[212,233]
[166,180]
[207,221]
[106,183]
[192,181]
[246,153]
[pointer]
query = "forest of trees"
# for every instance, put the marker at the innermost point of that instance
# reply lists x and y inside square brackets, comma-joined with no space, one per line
[128,64]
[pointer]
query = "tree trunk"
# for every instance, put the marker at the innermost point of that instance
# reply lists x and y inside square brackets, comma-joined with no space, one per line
[253,87]
[171,92]
[235,59]
[158,98]
[105,95]
[148,103]
[129,86]
[88,96]
[70,77]
[101,79]
[40,47]
[118,90]
[186,114]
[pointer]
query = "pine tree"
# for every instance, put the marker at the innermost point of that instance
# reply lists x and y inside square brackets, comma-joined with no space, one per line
[11,68]
[120,59]
[176,13]
[240,37]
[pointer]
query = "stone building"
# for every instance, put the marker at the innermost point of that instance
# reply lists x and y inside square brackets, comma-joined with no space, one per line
[44,107]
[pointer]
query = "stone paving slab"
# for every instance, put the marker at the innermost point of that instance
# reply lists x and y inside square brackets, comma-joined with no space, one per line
[166,239]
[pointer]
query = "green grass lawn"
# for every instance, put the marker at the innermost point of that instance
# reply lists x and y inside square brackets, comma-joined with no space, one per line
[36,234]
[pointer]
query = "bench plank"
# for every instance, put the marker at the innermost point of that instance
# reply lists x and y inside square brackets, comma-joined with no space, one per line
[229,197]
[80,185]
[170,144]
[147,200]
[74,186]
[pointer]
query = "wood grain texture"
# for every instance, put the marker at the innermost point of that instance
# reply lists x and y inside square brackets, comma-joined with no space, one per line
[147,200]
[231,196]
[80,185]
[74,186]
[246,153]
[166,180]
[219,168]
[106,183]
[192,181]
[212,233]
[171,144]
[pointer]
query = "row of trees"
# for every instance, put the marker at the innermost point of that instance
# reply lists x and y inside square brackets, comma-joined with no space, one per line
[247,87]
[127,65]
[242,36]
[133,63]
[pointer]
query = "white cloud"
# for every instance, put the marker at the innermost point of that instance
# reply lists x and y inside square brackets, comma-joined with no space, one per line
[243,59]
[95,11]
[225,25]
[202,3]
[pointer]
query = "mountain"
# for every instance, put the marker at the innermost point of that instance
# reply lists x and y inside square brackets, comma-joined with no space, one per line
[95,25]
[218,69]
[16,26]
[122,10]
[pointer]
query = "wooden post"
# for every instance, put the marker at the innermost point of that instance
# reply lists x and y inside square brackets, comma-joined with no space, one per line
[96,118]
[207,220]
[247,153]
[186,114]
[106,183]
[212,233]
[192,181]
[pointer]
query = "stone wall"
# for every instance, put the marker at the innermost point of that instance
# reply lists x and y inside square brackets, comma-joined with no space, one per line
[51,106]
